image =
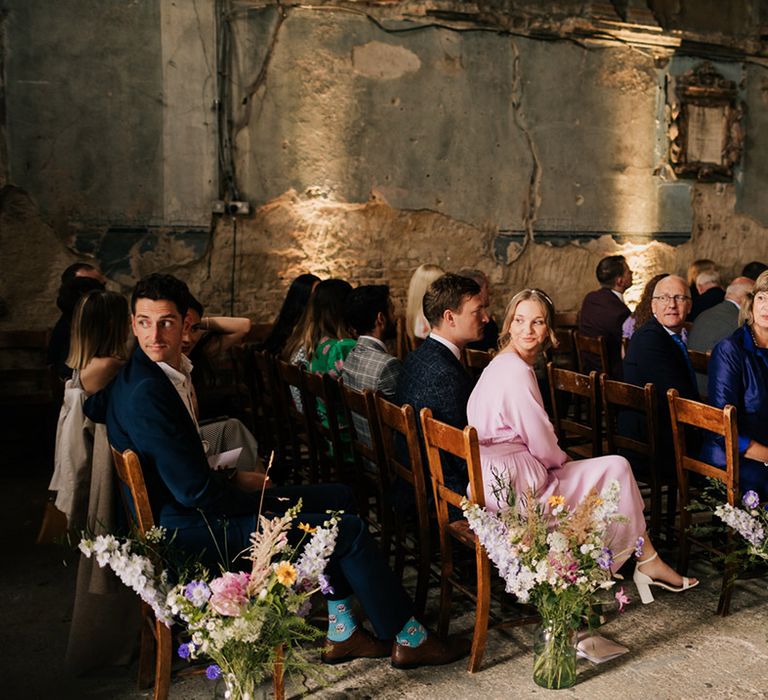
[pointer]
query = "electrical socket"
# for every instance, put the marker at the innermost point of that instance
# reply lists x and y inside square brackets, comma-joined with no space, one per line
[233,208]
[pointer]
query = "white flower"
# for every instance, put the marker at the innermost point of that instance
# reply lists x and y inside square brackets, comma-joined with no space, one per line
[263,594]
[557,541]
[586,548]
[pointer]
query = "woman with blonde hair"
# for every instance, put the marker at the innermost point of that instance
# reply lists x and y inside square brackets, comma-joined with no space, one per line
[738,375]
[98,349]
[99,339]
[518,443]
[416,326]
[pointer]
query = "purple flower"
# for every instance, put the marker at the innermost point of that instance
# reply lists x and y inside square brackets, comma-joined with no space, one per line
[639,547]
[197,592]
[751,499]
[325,585]
[213,672]
[605,560]
[185,650]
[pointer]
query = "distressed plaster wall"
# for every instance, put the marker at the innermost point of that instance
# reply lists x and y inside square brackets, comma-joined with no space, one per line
[364,153]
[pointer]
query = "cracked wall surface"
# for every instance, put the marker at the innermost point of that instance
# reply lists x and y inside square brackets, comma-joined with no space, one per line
[364,153]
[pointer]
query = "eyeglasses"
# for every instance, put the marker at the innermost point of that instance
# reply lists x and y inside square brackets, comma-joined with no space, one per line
[666,299]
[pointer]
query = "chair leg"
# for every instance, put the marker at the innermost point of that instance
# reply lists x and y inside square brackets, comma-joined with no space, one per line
[162,661]
[422,579]
[446,588]
[482,609]
[724,603]
[147,646]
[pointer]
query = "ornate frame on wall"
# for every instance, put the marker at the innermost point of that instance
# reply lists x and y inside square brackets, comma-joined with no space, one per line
[705,133]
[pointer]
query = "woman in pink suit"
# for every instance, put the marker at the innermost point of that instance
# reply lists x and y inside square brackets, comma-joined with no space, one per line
[519,446]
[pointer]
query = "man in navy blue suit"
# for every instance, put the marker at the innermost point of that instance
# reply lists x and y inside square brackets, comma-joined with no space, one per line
[149,408]
[433,376]
[657,353]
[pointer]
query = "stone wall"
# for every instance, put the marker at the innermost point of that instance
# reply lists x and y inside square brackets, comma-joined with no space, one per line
[364,147]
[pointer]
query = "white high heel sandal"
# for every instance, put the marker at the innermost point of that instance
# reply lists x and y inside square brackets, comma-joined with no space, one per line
[643,582]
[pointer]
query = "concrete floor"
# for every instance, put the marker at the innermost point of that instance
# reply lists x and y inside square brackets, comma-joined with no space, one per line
[678,647]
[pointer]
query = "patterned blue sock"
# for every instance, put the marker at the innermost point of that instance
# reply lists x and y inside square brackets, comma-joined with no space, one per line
[413,634]
[341,621]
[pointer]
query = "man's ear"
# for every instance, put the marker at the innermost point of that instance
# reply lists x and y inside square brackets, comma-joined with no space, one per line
[448,317]
[133,325]
[186,324]
[381,320]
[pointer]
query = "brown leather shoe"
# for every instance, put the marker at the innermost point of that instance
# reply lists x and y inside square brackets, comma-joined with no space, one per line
[432,652]
[360,645]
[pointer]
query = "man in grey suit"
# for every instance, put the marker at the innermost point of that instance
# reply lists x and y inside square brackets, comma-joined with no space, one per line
[721,320]
[369,311]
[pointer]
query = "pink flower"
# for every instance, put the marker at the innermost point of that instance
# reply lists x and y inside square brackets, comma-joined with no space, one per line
[621,599]
[229,593]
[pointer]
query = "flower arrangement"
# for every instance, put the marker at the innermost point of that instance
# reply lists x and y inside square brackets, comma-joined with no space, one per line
[245,622]
[556,558]
[750,521]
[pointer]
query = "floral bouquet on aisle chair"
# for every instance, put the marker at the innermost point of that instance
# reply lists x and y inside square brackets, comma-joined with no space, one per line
[557,559]
[249,624]
[750,521]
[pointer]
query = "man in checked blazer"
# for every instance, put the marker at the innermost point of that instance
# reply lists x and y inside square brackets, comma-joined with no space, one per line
[433,376]
[369,311]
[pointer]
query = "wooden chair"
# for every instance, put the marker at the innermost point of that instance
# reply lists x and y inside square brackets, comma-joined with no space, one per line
[401,421]
[461,443]
[401,339]
[699,360]
[578,431]
[156,642]
[618,396]
[721,421]
[564,355]
[368,461]
[301,439]
[566,319]
[476,361]
[594,346]
[329,445]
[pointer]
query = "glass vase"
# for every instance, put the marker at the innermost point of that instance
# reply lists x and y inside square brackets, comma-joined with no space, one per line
[554,656]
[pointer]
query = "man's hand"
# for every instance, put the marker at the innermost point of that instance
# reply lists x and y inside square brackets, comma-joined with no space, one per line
[251,481]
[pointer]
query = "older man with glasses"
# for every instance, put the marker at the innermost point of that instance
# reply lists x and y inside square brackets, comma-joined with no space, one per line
[657,353]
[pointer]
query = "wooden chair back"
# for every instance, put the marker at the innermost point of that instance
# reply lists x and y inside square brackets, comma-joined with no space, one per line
[699,360]
[720,421]
[564,355]
[579,431]
[617,397]
[400,421]
[155,645]
[368,462]
[290,385]
[476,360]
[566,319]
[323,408]
[594,346]
[439,436]
[401,339]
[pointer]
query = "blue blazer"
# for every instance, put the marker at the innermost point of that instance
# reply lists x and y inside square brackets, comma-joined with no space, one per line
[738,375]
[433,378]
[144,412]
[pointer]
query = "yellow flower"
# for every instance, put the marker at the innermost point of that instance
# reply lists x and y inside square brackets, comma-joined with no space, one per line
[598,502]
[307,528]
[286,573]
[555,501]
